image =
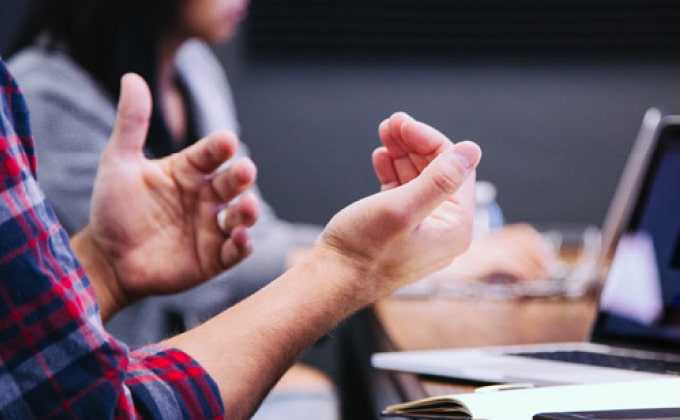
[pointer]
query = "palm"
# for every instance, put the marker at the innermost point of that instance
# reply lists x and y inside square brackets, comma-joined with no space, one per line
[157,219]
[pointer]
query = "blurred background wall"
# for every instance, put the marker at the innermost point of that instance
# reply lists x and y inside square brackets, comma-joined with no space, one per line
[554,95]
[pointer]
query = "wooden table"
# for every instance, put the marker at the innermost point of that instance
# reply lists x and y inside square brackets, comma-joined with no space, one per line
[418,324]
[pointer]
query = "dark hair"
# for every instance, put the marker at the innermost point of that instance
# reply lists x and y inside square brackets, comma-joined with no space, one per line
[108,38]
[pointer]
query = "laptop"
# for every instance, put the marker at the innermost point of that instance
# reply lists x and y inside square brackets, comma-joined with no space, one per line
[636,335]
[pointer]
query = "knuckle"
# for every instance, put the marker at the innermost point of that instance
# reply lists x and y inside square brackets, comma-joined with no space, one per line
[131,117]
[447,181]
[248,216]
[209,153]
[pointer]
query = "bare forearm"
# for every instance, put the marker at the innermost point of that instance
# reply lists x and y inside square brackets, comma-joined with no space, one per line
[248,347]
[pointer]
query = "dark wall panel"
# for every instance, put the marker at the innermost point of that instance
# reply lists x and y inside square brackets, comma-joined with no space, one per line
[11,12]
[555,136]
[446,27]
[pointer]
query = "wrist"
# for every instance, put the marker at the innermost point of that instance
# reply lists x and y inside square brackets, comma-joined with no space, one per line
[101,272]
[348,276]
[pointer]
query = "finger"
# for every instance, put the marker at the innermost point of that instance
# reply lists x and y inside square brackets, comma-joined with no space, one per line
[390,143]
[384,169]
[235,179]
[525,239]
[439,182]
[419,160]
[406,170]
[396,121]
[134,112]
[236,248]
[210,153]
[389,134]
[421,139]
[525,268]
[243,213]
[465,196]
[534,249]
[513,268]
[528,265]
[412,161]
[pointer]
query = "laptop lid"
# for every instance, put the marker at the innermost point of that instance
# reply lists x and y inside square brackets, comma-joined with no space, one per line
[630,183]
[640,303]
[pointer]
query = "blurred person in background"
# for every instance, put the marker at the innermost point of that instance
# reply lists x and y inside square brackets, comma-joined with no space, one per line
[69,58]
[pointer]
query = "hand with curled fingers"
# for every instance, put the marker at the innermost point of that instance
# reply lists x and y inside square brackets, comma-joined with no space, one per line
[155,222]
[423,217]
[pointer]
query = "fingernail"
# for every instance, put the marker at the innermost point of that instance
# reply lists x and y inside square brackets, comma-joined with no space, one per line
[403,114]
[467,153]
[453,158]
[383,125]
[222,219]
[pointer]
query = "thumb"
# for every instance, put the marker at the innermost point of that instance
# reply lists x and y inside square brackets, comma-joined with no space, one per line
[134,112]
[440,180]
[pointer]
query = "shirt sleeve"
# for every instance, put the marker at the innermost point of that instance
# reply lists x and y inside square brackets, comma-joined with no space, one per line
[56,358]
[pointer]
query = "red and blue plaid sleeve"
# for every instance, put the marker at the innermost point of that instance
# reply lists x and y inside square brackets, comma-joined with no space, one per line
[56,359]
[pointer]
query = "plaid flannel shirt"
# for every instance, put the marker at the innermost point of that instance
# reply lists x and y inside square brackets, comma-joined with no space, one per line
[56,359]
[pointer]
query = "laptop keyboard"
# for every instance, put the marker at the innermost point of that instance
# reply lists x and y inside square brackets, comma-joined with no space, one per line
[607,360]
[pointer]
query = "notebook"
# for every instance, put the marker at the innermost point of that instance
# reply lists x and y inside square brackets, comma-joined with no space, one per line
[647,414]
[524,404]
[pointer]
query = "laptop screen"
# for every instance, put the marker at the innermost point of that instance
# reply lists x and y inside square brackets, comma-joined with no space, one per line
[640,302]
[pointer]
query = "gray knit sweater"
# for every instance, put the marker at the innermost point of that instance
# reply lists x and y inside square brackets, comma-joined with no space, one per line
[72,119]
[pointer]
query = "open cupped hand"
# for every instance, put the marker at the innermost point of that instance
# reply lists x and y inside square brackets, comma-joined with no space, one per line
[155,221]
[423,217]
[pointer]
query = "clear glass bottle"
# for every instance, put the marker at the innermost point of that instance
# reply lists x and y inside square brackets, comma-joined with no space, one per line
[488,214]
